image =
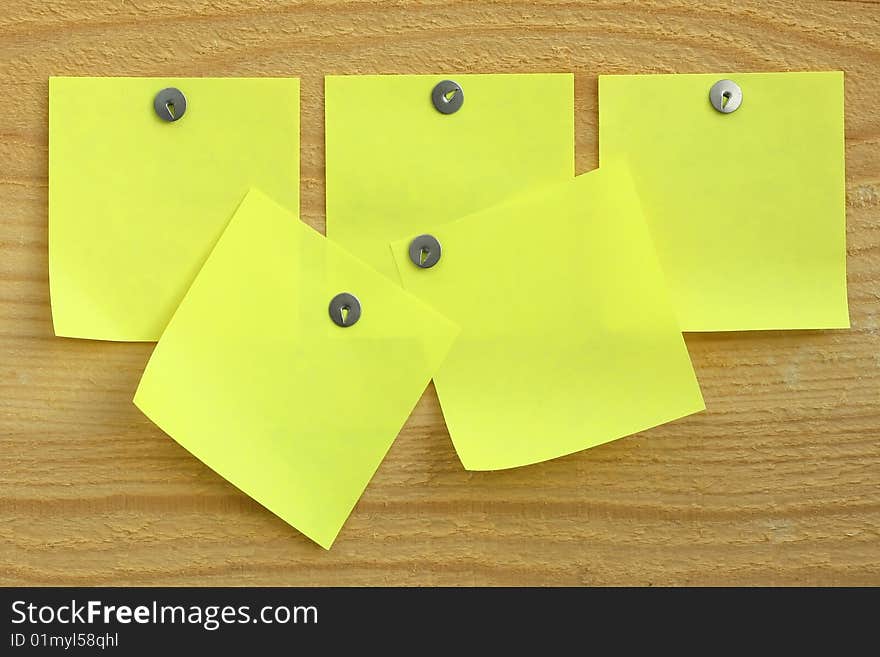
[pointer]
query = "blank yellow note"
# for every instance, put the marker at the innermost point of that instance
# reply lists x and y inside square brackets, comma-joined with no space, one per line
[136,203]
[395,164]
[254,378]
[747,209]
[569,338]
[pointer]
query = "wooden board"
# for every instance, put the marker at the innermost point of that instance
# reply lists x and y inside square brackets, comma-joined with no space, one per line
[777,483]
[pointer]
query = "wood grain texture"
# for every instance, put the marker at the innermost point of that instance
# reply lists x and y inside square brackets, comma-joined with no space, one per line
[778,482]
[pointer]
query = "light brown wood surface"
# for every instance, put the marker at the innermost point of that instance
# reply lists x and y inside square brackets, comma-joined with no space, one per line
[778,482]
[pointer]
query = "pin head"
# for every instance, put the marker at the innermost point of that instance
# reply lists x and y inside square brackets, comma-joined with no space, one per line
[345,310]
[447,96]
[424,251]
[170,104]
[725,96]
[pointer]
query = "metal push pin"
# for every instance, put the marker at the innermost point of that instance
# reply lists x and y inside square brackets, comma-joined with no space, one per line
[170,104]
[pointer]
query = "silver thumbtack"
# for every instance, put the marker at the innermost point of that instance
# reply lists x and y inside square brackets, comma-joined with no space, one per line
[725,96]
[345,309]
[424,251]
[448,97]
[170,104]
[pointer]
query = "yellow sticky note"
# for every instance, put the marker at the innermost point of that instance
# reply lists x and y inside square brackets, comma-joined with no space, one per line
[395,163]
[747,209]
[569,338]
[136,203]
[253,377]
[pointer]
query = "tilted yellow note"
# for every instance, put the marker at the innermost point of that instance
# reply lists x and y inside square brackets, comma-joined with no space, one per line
[569,338]
[136,203]
[395,164]
[747,209]
[253,377]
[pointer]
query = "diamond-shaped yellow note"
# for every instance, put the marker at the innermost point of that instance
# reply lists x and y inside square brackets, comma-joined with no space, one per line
[746,208]
[396,164]
[255,378]
[137,202]
[569,337]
